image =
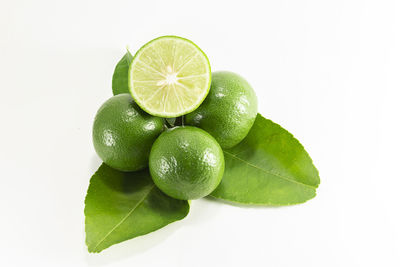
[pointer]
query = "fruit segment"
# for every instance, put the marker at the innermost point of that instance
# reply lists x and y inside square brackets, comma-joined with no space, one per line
[169,77]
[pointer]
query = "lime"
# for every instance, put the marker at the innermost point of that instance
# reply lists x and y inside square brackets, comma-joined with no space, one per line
[186,163]
[229,110]
[169,76]
[123,133]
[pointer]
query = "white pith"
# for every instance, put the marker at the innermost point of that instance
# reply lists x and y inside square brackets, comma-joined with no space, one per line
[170,77]
[167,81]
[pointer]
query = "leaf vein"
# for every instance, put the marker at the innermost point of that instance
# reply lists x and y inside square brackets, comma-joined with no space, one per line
[124,218]
[269,172]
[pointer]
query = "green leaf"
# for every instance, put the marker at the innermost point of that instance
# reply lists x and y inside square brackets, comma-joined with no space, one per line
[120,77]
[269,167]
[123,205]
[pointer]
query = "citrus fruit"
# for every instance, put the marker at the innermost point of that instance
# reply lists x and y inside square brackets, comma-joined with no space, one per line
[186,163]
[123,133]
[229,110]
[169,76]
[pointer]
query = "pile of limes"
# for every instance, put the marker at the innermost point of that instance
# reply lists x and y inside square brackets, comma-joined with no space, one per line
[170,77]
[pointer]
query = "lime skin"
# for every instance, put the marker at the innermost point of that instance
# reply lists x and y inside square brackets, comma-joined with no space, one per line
[123,133]
[186,163]
[229,110]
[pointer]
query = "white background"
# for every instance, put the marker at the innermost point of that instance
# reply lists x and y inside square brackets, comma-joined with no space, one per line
[328,71]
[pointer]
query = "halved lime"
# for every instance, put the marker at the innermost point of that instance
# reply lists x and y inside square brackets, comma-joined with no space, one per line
[169,76]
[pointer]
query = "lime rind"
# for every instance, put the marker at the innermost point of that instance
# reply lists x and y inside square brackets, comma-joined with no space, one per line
[153,66]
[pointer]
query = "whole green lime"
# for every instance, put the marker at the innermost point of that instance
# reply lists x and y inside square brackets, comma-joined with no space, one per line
[123,133]
[229,110]
[186,163]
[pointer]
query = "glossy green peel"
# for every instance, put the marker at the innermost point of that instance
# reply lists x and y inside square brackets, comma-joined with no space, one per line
[229,110]
[199,133]
[186,163]
[123,133]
